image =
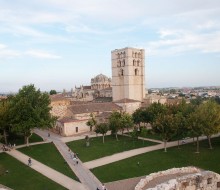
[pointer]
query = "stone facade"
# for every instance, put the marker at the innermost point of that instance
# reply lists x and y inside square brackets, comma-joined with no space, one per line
[59,105]
[100,82]
[128,105]
[194,179]
[100,87]
[128,74]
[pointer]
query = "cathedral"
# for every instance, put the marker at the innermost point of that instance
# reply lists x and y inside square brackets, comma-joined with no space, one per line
[124,92]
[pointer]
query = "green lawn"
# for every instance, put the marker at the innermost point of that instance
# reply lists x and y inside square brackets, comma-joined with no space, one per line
[97,149]
[50,156]
[22,177]
[159,160]
[19,139]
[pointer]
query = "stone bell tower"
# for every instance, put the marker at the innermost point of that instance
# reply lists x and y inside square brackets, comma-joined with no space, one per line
[128,75]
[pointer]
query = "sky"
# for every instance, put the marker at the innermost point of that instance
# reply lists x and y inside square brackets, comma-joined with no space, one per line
[60,44]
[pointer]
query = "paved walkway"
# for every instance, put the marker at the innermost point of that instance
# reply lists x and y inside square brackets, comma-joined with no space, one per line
[54,175]
[87,178]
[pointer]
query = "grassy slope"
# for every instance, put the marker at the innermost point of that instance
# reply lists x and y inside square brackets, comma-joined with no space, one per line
[50,156]
[159,160]
[22,177]
[97,149]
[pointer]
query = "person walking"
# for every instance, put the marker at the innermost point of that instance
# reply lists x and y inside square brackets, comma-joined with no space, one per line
[29,162]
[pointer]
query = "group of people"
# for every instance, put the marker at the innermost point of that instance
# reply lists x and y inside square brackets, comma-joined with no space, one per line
[73,156]
[7,148]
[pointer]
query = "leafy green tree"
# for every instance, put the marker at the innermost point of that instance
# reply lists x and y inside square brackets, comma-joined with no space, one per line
[196,127]
[165,126]
[102,128]
[134,134]
[92,121]
[30,109]
[53,92]
[115,123]
[154,110]
[138,116]
[196,101]
[5,118]
[143,133]
[126,122]
[209,114]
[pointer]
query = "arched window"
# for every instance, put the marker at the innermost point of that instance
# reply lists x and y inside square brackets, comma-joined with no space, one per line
[135,55]
[118,55]
[121,56]
[139,55]
[136,72]
[138,63]
[121,72]
[119,63]
[123,62]
[124,54]
[134,62]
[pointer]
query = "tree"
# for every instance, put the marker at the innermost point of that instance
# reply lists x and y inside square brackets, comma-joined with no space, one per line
[154,110]
[30,109]
[115,123]
[209,114]
[102,128]
[143,133]
[195,126]
[138,116]
[92,121]
[5,117]
[53,92]
[126,122]
[165,125]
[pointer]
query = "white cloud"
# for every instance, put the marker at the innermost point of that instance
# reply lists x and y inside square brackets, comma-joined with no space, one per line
[5,52]
[176,42]
[42,54]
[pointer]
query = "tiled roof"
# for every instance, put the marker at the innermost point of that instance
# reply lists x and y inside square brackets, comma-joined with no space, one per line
[57,97]
[68,120]
[93,107]
[126,100]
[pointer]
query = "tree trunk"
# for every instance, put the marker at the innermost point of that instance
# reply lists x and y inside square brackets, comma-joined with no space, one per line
[165,146]
[27,139]
[197,147]
[116,135]
[210,143]
[5,137]
[103,138]
[178,144]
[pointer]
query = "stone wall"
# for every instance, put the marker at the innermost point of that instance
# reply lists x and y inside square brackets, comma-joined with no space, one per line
[201,180]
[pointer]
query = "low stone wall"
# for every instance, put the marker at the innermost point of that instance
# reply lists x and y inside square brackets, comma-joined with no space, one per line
[145,181]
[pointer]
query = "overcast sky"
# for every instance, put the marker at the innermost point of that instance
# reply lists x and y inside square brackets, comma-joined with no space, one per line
[57,44]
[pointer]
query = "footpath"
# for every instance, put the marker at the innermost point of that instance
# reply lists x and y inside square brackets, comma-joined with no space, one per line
[127,154]
[87,178]
[54,175]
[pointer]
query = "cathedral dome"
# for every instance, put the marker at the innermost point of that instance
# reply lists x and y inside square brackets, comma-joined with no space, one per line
[100,78]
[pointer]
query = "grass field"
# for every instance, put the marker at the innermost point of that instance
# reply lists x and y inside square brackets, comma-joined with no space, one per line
[158,160]
[20,176]
[97,149]
[50,156]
